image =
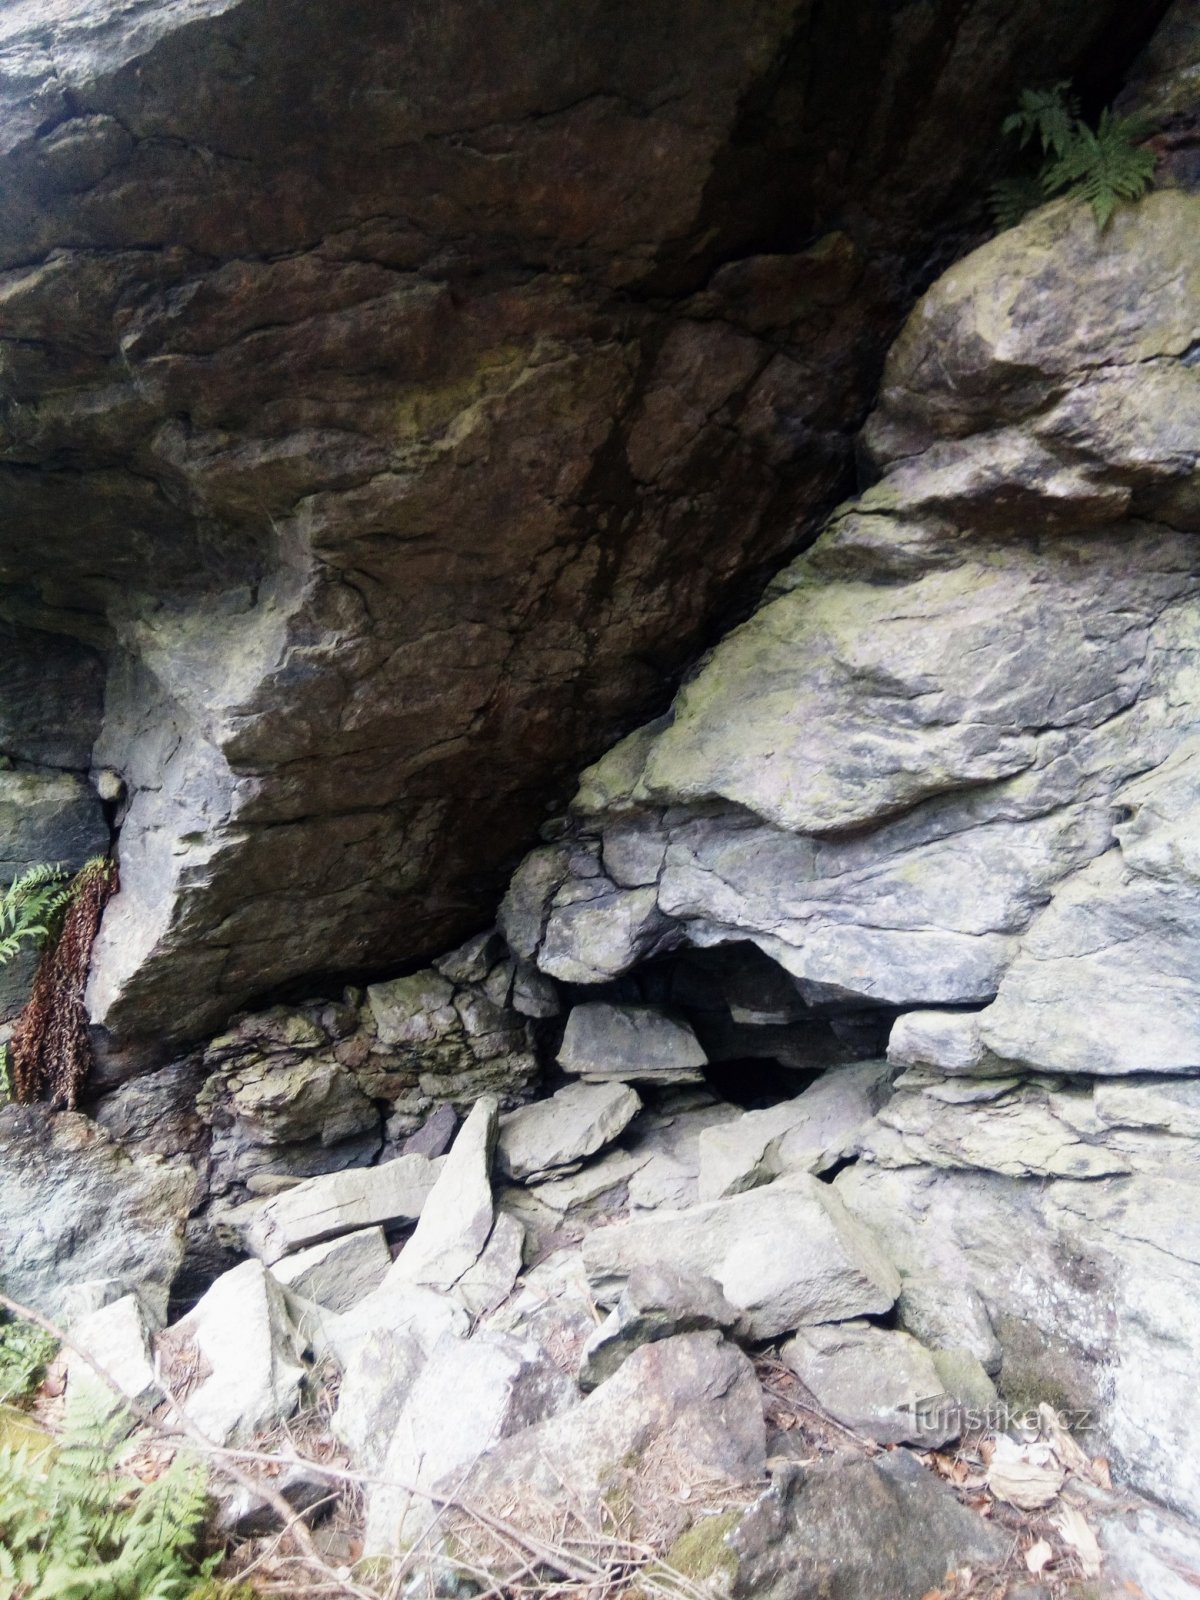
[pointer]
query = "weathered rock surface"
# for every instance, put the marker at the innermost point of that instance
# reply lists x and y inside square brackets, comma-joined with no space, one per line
[679,1413]
[456,1219]
[885,1529]
[633,1044]
[337,1203]
[470,1395]
[74,1206]
[339,1272]
[807,1134]
[1088,1284]
[235,1357]
[785,1255]
[551,1135]
[117,1338]
[974,783]
[390,414]
[655,1303]
[876,1381]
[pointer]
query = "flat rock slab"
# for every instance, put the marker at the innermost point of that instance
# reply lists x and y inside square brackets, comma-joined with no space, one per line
[630,1043]
[876,1381]
[337,1273]
[785,1255]
[682,1412]
[886,1529]
[337,1203]
[539,1139]
[807,1134]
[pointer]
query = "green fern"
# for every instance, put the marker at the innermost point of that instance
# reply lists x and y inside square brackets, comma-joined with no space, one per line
[1101,166]
[1047,115]
[24,1352]
[29,907]
[73,1526]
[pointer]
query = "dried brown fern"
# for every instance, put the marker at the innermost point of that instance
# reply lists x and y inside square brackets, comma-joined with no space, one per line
[50,1052]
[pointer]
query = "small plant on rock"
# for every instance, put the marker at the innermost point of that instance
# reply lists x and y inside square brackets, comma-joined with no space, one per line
[24,1353]
[1102,166]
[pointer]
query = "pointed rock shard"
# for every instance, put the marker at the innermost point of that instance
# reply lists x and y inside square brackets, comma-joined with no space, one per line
[457,1218]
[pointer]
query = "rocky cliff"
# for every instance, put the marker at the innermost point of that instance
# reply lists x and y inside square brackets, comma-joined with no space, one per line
[395,396]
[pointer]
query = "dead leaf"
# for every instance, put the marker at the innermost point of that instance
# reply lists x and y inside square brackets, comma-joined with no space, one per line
[1027,1476]
[1101,1472]
[1077,1533]
[1051,1428]
[1038,1556]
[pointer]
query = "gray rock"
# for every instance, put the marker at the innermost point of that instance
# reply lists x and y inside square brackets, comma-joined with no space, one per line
[490,1280]
[946,1315]
[638,1044]
[74,1207]
[456,1220]
[875,1381]
[394,1308]
[117,1338]
[596,931]
[1026,1130]
[785,1255]
[337,1203]
[469,1395]
[1087,1285]
[691,1401]
[543,1138]
[434,1135]
[239,1349]
[377,1379]
[339,1272]
[655,1303]
[807,1134]
[885,1529]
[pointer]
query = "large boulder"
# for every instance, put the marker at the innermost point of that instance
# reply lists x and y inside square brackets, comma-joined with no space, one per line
[395,399]
[784,1255]
[951,762]
[75,1206]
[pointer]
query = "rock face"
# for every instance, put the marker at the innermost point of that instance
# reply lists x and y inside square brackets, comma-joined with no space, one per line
[75,1207]
[974,783]
[392,401]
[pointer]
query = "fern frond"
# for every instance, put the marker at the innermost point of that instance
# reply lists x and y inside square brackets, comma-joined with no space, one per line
[1012,199]
[1103,167]
[1047,115]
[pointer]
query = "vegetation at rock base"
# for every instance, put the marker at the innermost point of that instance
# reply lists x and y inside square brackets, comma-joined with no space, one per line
[24,1352]
[1101,166]
[75,1526]
[29,908]
[50,1052]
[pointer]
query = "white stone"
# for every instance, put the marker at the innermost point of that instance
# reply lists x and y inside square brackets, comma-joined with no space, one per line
[243,1336]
